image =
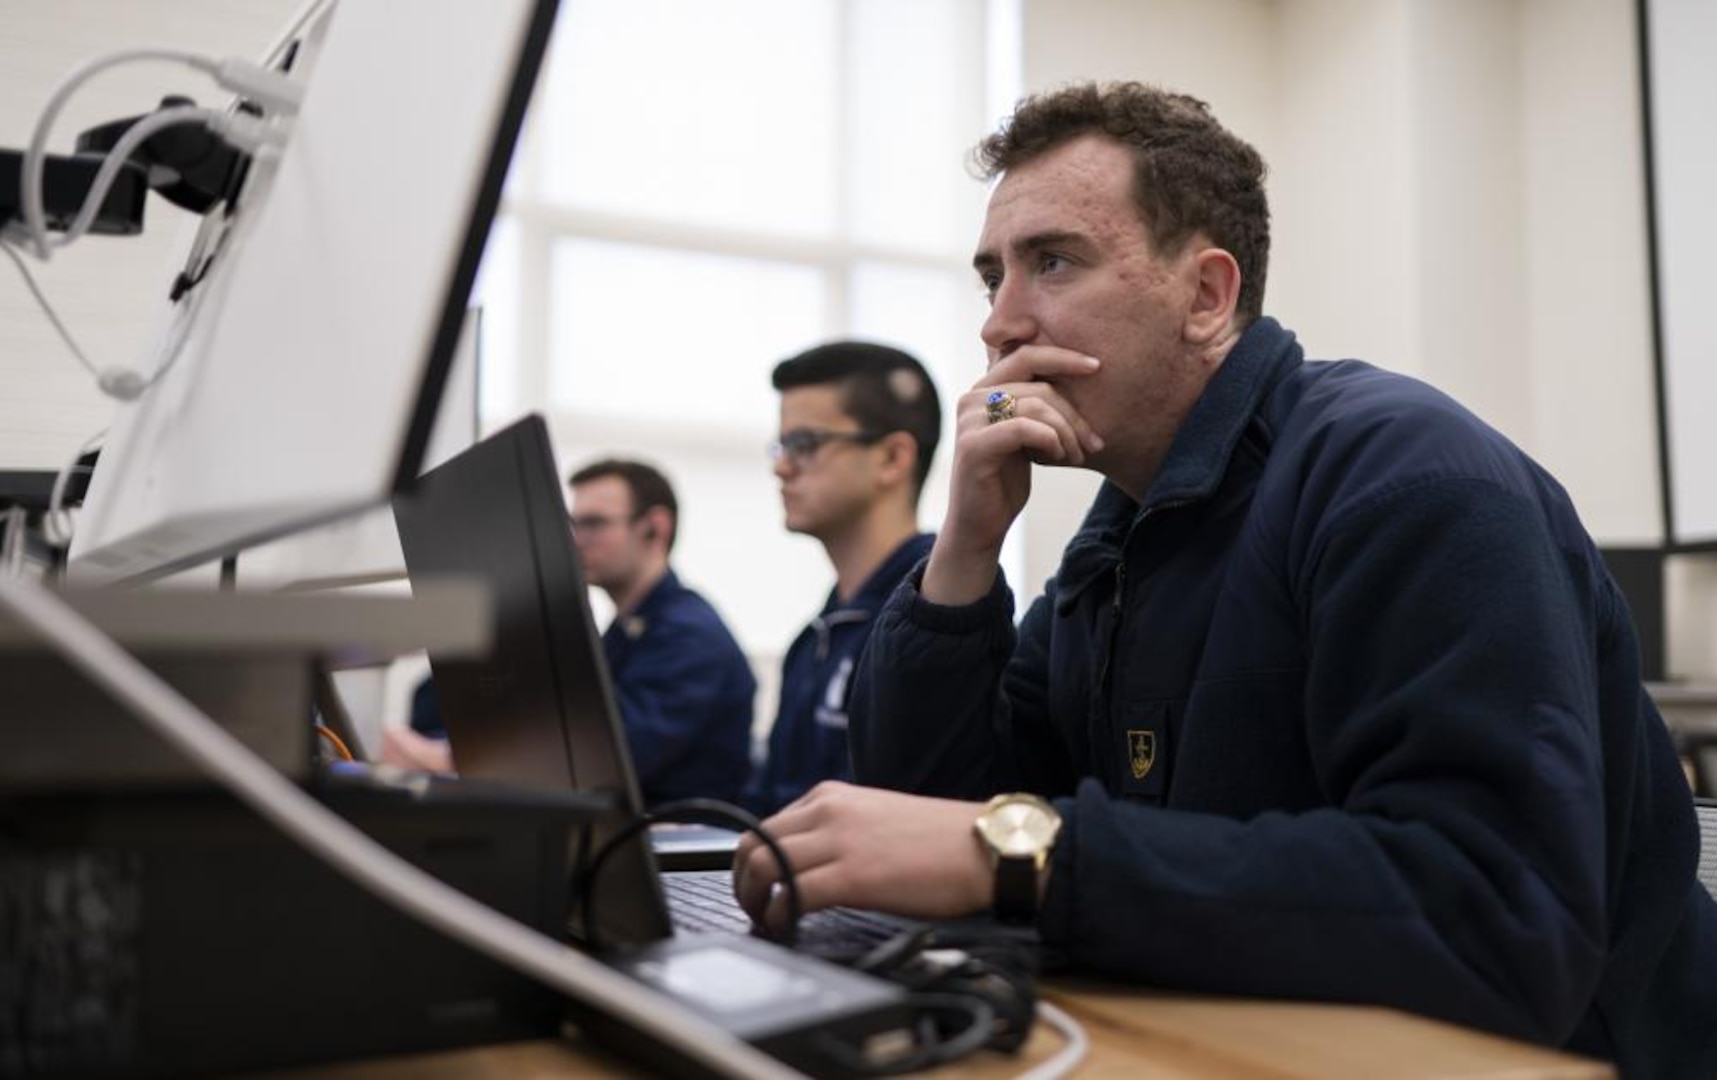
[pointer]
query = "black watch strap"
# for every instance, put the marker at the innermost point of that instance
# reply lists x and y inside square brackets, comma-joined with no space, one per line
[1016,889]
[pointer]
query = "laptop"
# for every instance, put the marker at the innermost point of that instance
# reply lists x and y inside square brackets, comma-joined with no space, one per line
[693,846]
[541,711]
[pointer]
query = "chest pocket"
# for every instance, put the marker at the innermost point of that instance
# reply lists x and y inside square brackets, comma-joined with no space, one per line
[1141,750]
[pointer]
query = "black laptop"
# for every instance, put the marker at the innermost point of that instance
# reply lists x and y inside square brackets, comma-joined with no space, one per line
[540,710]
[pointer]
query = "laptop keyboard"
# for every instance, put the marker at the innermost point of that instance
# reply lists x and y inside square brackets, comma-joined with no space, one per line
[703,901]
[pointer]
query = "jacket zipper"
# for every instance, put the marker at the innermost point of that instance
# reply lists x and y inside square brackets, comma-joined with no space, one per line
[1117,602]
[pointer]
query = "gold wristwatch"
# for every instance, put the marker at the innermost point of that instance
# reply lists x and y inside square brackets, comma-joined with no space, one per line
[1018,831]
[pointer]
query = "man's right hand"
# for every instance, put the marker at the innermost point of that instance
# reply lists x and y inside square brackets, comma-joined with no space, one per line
[871,848]
[405,748]
[992,464]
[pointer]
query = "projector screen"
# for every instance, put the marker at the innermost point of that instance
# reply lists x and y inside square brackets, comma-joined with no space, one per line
[1678,38]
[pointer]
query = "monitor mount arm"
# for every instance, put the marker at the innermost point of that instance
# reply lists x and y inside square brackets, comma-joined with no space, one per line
[188,165]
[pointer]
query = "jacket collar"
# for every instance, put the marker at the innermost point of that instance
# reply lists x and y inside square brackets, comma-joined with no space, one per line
[881,582]
[632,625]
[654,600]
[1197,459]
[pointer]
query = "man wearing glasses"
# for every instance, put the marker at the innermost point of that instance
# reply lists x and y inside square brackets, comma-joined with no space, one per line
[684,686]
[859,426]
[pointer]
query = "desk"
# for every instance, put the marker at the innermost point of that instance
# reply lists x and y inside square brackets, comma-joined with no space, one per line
[1134,1034]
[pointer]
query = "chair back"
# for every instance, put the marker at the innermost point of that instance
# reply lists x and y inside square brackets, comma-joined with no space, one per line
[1707,811]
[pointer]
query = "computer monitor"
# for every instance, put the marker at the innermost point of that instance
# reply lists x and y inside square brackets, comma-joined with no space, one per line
[362,549]
[300,376]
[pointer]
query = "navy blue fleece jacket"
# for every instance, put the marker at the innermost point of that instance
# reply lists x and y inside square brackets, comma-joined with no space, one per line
[808,742]
[1348,709]
[685,691]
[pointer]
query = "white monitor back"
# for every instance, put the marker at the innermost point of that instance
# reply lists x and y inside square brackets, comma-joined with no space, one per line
[363,549]
[302,375]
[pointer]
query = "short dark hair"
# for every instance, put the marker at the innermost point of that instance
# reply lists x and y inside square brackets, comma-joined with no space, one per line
[883,388]
[1190,174]
[648,486]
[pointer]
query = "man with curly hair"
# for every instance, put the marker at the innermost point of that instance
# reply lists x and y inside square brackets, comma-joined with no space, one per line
[1331,696]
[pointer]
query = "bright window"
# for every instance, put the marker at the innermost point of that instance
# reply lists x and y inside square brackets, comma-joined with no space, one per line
[730,318]
[706,188]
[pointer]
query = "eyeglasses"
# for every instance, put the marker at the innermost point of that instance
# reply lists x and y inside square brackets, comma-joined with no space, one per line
[801,445]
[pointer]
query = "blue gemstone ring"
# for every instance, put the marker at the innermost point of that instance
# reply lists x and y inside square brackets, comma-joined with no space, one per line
[1000,405]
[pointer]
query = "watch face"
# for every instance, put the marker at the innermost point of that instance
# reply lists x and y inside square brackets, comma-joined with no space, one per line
[1017,827]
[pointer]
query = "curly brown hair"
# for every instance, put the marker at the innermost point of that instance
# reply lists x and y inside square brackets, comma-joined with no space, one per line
[1190,174]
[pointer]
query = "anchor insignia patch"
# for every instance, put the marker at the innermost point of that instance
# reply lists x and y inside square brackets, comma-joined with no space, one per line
[1142,752]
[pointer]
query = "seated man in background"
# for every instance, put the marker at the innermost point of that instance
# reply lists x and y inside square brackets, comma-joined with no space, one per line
[1332,696]
[684,686]
[421,742]
[859,427]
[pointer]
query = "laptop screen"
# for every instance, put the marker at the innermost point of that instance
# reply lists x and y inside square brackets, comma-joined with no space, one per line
[539,710]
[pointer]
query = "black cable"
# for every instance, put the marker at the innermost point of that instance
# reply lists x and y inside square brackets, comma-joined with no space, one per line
[895,951]
[689,811]
[934,1044]
[586,831]
[991,987]
[1003,974]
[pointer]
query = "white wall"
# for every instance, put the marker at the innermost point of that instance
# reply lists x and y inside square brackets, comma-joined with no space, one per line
[1464,123]
[1458,194]
[1344,262]
[1588,309]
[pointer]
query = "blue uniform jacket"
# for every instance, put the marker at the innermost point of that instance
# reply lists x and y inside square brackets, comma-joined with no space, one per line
[1348,710]
[808,743]
[685,691]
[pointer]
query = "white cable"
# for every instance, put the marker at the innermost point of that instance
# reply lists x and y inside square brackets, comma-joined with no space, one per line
[30,183]
[274,90]
[362,859]
[57,522]
[117,157]
[120,383]
[48,309]
[1068,1057]
[247,133]
[252,134]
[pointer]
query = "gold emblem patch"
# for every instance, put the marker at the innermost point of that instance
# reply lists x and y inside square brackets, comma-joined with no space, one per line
[1142,751]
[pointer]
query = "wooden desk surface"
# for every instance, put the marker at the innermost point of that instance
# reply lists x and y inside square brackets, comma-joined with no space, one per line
[1133,1034]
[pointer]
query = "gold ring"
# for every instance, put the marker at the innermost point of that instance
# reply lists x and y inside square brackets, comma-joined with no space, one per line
[1000,405]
